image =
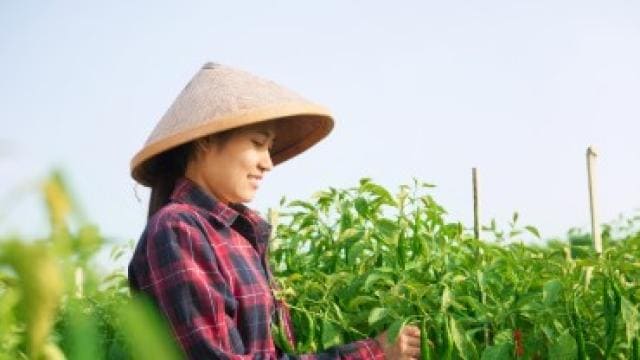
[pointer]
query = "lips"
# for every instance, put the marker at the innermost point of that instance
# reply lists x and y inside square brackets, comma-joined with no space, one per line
[255,179]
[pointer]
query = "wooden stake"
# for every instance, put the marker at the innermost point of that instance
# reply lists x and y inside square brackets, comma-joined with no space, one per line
[476,221]
[476,235]
[595,225]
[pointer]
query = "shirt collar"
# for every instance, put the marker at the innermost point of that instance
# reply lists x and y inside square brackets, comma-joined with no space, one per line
[187,191]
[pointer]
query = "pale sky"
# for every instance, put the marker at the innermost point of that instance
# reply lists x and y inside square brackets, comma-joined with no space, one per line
[419,89]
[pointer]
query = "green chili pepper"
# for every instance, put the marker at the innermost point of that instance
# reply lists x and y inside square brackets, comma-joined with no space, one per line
[611,302]
[401,253]
[447,341]
[582,352]
[425,350]
[280,339]
[311,340]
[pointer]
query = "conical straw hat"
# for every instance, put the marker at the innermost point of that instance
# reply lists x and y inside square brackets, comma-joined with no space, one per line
[219,98]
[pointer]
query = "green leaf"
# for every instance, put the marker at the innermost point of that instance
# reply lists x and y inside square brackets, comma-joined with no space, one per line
[631,319]
[504,336]
[447,299]
[427,185]
[331,335]
[42,287]
[361,207]
[377,276]
[387,228]
[360,300]
[533,230]
[302,204]
[394,329]
[365,180]
[377,314]
[378,190]
[564,349]
[463,344]
[351,234]
[147,332]
[83,334]
[502,351]
[514,233]
[552,291]
[356,250]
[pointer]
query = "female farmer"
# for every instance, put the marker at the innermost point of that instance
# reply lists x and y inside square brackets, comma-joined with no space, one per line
[202,256]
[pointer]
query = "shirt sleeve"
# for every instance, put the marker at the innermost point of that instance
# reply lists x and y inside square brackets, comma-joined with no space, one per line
[191,292]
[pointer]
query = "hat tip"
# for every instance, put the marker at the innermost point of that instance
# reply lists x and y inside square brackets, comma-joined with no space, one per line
[210,65]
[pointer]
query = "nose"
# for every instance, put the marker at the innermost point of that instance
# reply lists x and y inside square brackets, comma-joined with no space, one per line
[266,164]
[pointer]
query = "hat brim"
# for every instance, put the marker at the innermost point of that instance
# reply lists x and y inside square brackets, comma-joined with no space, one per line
[298,127]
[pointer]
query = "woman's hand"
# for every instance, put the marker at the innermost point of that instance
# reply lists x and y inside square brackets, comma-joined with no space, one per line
[406,346]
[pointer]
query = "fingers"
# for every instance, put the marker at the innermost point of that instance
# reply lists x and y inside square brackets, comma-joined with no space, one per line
[409,342]
[411,331]
[410,351]
[406,346]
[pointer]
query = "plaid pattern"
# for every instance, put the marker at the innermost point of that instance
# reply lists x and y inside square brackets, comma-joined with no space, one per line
[204,264]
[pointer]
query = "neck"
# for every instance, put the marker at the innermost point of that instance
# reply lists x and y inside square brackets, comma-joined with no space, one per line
[199,180]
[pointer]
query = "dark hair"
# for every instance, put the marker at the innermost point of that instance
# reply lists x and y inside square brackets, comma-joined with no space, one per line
[172,164]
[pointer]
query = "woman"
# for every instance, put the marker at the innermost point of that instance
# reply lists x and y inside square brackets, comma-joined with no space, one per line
[202,256]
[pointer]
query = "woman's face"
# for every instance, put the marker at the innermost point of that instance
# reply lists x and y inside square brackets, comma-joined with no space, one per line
[232,172]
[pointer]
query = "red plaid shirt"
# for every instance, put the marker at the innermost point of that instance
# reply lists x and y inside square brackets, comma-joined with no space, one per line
[204,264]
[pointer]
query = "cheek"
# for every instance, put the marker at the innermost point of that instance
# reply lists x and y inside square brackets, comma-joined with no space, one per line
[248,161]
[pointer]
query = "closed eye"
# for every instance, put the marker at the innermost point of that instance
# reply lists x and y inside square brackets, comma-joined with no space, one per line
[262,144]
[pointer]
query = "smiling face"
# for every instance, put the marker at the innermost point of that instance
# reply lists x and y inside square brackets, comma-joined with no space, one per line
[232,171]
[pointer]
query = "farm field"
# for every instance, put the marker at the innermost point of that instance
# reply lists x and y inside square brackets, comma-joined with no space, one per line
[350,263]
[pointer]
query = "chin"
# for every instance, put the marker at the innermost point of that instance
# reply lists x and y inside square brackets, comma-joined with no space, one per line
[246,199]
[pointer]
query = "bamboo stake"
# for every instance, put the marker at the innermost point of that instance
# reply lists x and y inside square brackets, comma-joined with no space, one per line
[476,227]
[476,235]
[595,225]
